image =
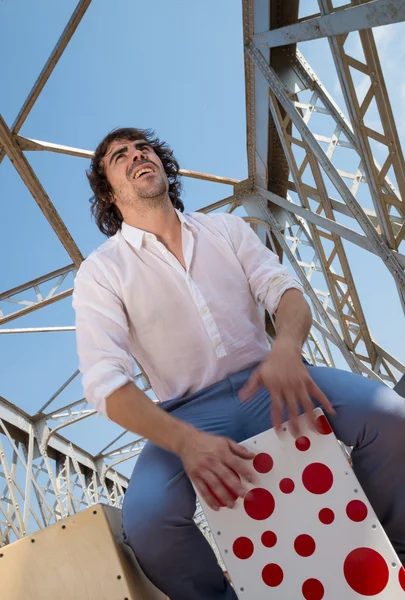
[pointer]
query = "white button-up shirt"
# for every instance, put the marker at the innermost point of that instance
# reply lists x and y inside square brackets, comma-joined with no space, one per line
[188,328]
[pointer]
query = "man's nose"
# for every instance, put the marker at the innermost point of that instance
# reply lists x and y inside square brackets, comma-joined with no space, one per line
[138,155]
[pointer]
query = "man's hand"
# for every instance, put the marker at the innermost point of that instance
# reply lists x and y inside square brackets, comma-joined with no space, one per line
[215,465]
[285,376]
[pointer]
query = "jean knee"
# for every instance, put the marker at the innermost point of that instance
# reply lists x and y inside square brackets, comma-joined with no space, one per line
[386,416]
[143,524]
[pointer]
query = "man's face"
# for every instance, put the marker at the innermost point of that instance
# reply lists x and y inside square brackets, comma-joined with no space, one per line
[135,173]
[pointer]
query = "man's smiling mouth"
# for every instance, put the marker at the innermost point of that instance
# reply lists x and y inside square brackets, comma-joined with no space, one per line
[142,172]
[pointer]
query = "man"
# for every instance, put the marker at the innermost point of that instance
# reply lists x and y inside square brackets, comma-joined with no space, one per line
[180,293]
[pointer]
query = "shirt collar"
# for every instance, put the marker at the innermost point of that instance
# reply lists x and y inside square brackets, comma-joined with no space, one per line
[135,236]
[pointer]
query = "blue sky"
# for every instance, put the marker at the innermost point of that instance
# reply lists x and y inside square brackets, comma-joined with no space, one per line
[175,66]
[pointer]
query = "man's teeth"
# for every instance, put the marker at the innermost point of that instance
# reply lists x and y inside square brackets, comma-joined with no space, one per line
[142,171]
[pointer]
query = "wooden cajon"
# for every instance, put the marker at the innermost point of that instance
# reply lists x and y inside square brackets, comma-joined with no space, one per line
[305,530]
[82,557]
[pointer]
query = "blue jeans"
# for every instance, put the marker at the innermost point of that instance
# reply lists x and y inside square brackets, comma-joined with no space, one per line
[160,501]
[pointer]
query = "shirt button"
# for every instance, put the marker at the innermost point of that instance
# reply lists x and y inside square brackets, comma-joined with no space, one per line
[217,343]
[204,310]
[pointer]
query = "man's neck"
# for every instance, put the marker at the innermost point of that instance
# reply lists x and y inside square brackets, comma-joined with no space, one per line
[162,221]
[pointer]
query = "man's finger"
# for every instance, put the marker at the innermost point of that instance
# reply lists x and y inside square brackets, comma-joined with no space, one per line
[206,494]
[293,412]
[219,491]
[241,451]
[316,393]
[243,469]
[276,412]
[251,387]
[231,481]
[308,406]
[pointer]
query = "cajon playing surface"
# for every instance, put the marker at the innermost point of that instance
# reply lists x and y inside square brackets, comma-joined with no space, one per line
[305,530]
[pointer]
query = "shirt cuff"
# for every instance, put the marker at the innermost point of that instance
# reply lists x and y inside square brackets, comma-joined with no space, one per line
[286,283]
[104,390]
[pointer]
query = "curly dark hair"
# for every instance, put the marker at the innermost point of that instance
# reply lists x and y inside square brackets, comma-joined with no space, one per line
[106,214]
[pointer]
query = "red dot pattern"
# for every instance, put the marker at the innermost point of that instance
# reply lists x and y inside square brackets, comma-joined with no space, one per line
[317,478]
[356,510]
[259,504]
[287,485]
[322,425]
[304,545]
[326,516]
[401,577]
[263,463]
[302,443]
[272,575]
[313,589]
[243,548]
[269,539]
[366,571]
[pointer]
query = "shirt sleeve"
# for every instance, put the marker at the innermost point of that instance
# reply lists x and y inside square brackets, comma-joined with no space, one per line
[102,335]
[268,278]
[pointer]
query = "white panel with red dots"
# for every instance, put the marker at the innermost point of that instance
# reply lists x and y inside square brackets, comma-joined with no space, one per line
[305,530]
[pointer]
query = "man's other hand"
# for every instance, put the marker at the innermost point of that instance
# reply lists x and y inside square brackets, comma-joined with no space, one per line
[287,379]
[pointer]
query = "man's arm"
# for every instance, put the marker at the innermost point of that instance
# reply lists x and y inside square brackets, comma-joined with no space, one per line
[293,319]
[107,367]
[283,373]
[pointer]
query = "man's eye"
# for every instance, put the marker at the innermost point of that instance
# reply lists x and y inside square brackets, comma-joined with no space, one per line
[119,157]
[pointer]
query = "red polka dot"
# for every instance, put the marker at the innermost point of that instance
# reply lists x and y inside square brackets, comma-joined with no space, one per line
[263,463]
[272,575]
[313,589]
[326,516]
[322,425]
[269,539]
[401,577]
[243,548]
[366,571]
[356,510]
[317,478]
[287,485]
[304,545]
[259,504]
[302,443]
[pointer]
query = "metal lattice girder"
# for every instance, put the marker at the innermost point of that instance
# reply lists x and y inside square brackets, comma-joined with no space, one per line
[310,145]
[325,316]
[41,475]
[384,201]
[340,284]
[342,136]
[33,289]
[341,20]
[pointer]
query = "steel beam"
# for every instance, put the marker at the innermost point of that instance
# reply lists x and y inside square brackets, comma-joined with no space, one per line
[345,20]
[330,225]
[32,182]
[379,243]
[383,202]
[37,329]
[50,64]
[38,146]
[41,300]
